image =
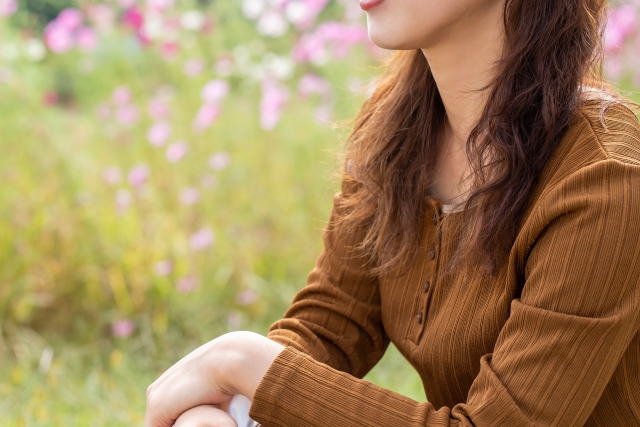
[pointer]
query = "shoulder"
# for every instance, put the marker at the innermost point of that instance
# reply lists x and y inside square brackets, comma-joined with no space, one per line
[601,129]
[595,170]
[613,128]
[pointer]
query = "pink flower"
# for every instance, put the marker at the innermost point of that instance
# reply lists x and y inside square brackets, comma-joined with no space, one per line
[121,95]
[70,18]
[202,239]
[224,66]
[87,39]
[160,5]
[193,67]
[234,320]
[58,38]
[219,160]
[122,328]
[158,109]
[622,22]
[247,297]
[123,200]
[176,151]
[186,284]
[207,114]
[101,16]
[215,91]
[274,97]
[8,7]
[50,98]
[312,83]
[112,175]
[189,196]
[169,51]
[138,175]
[127,115]
[163,268]
[158,133]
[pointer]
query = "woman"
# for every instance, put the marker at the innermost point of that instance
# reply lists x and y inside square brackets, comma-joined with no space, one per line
[487,225]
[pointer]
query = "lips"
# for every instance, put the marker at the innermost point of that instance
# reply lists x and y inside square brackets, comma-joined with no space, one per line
[368,4]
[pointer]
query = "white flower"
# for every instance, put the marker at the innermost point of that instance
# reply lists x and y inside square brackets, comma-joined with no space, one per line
[252,9]
[272,24]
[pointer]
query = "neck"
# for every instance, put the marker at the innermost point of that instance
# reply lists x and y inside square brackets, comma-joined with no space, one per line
[461,62]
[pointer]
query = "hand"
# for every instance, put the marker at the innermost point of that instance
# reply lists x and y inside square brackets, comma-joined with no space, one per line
[205,416]
[233,363]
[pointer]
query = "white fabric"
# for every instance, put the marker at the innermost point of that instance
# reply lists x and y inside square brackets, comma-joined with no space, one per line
[239,410]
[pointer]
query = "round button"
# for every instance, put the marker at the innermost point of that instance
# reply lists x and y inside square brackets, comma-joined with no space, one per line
[426,286]
[420,317]
[434,218]
[432,253]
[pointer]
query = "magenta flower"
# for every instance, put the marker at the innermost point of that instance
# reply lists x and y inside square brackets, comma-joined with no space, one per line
[247,297]
[215,91]
[219,160]
[163,268]
[189,196]
[8,7]
[176,151]
[127,115]
[202,239]
[70,18]
[133,17]
[112,175]
[186,284]
[87,39]
[121,95]
[57,37]
[138,175]
[158,133]
[122,328]
[207,114]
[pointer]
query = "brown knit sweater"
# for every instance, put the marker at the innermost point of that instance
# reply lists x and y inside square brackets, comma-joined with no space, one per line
[553,342]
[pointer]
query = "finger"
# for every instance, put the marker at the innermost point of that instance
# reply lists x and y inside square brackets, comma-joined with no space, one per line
[205,416]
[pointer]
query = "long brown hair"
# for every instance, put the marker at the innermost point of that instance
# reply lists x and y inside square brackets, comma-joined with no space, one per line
[553,50]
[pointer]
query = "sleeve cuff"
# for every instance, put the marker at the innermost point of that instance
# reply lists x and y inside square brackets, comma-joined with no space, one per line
[266,397]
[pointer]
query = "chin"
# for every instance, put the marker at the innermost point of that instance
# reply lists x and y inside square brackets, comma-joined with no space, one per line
[388,40]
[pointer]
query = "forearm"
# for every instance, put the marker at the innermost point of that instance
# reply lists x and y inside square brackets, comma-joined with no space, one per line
[240,360]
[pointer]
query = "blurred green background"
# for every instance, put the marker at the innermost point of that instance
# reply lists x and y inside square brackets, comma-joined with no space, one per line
[167,170]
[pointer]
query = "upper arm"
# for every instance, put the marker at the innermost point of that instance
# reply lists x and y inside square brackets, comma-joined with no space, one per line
[336,317]
[580,305]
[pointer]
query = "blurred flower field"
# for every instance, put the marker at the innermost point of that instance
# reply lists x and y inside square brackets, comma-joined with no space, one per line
[168,166]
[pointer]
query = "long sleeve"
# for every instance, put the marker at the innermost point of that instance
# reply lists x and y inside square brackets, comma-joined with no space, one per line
[336,317]
[565,335]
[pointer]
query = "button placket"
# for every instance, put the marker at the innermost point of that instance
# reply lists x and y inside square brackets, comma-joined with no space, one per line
[428,281]
[423,291]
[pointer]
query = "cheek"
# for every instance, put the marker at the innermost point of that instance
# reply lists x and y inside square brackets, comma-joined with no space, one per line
[413,24]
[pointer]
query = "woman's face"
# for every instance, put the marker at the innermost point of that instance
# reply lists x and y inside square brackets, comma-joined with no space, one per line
[413,24]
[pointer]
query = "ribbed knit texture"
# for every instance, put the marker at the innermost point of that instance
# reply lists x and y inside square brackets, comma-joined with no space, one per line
[553,342]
